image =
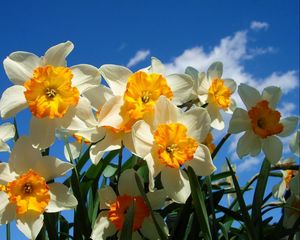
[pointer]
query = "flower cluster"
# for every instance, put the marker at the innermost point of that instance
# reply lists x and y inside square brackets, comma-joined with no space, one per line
[164,121]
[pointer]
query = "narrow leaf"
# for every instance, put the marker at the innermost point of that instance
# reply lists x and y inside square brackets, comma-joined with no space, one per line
[126,232]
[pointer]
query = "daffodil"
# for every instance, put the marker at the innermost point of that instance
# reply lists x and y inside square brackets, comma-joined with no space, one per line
[170,143]
[7,132]
[132,97]
[261,122]
[292,208]
[215,91]
[25,191]
[295,143]
[113,209]
[50,90]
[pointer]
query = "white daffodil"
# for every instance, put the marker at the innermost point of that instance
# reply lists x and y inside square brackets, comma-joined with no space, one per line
[131,97]
[171,142]
[113,210]
[295,143]
[24,192]
[261,123]
[279,189]
[292,208]
[50,90]
[215,91]
[7,132]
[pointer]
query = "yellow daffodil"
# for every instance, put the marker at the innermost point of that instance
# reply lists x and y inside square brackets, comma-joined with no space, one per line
[50,90]
[113,209]
[261,123]
[173,141]
[25,191]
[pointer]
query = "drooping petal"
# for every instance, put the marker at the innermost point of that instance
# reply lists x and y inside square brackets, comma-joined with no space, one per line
[12,101]
[202,162]
[103,228]
[85,77]
[56,55]
[249,143]
[42,132]
[7,131]
[7,209]
[98,96]
[106,196]
[289,125]
[217,121]
[176,184]
[116,77]
[239,121]
[272,94]
[197,121]
[142,138]
[249,95]
[128,176]
[19,66]
[30,224]
[272,148]
[181,86]
[148,228]
[60,198]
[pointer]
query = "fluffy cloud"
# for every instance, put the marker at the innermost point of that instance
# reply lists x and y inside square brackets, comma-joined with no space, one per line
[256,26]
[138,57]
[248,164]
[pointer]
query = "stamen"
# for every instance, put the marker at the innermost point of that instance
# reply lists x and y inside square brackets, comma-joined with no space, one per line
[50,92]
[27,188]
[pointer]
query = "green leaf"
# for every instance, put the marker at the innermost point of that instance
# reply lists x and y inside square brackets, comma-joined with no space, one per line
[223,230]
[160,232]
[64,228]
[126,232]
[199,204]
[51,223]
[221,175]
[259,195]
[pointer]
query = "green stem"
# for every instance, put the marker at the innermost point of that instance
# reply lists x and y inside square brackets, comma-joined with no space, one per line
[224,139]
[120,161]
[8,231]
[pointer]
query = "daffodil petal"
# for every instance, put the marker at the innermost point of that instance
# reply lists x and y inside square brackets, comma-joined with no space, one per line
[12,101]
[239,122]
[249,95]
[295,143]
[7,131]
[98,96]
[272,94]
[272,148]
[142,138]
[165,111]
[128,176]
[249,143]
[30,224]
[4,147]
[56,55]
[289,125]
[148,228]
[217,121]
[75,148]
[6,175]
[176,184]
[60,198]
[19,66]
[182,86]
[231,84]
[103,228]
[157,66]
[157,198]
[7,209]
[107,196]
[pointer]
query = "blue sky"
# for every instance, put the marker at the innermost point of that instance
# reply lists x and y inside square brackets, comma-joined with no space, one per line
[258,41]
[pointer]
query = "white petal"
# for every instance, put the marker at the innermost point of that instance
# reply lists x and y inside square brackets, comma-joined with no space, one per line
[239,122]
[217,121]
[7,131]
[142,138]
[12,101]
[249,143]
[289,125]
[279,189]
[204,85]
[85,77]
[181,86]
[92,134]
[60,198]
[57,54]
[6,175]
[7,209]
[157,66]
[116,77]
[157,199]
[128,176]
[148,228]
[197,121]
[19,66]
[215,70]
[231,107]
[103,228]
[106,196]
[231,84]
[154,167]
[42,132]
[295,185]
[4,147]
[176,184]
[98,96]
[30,224]
[165,111]
[75,148]
[249,95]
[202,162]
[112,141]
[295,143]
[272,148]
[272,95]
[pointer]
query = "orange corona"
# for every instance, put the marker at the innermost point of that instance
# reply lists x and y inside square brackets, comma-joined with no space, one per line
[219,94]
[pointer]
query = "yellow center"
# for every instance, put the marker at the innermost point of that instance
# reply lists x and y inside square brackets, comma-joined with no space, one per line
[142,92]
[118,210]
[49,93]
[174,147]
[288,177]
[219,94]
[264,120]
[29,192]
[209,143]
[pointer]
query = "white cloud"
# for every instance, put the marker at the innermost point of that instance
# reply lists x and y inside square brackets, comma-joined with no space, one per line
[287,109]
[256,25]
[138,57]
[248,164]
